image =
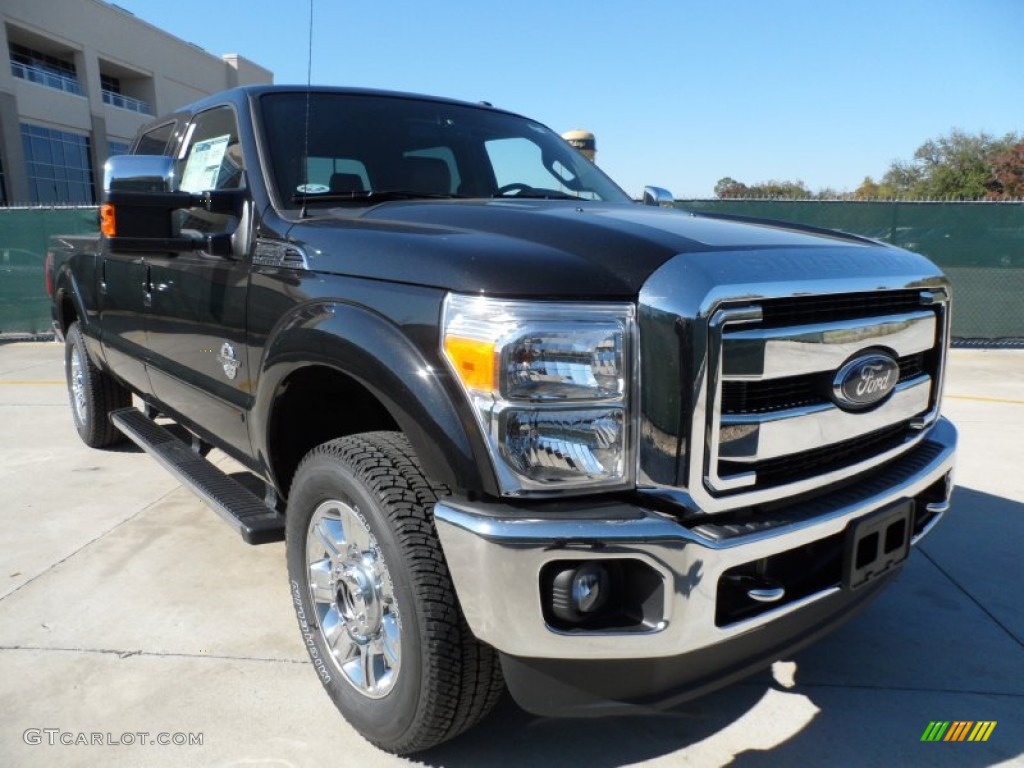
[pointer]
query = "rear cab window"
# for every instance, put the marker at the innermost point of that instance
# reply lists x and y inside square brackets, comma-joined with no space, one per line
[156,141]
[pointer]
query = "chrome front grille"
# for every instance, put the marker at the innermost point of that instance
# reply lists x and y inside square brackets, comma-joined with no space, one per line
[802,310]
[799,466]
[741,396]
[740,355]
[770,422]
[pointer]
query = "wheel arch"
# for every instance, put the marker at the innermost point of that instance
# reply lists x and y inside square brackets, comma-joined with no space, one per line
[68,299]
[336,369]
[69,303]
[67,312]
[69,308]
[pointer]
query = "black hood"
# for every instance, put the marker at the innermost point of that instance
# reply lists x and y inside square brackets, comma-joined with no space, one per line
[552,249]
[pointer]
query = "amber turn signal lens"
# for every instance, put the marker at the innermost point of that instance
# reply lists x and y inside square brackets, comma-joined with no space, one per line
[473,361]
[108,221]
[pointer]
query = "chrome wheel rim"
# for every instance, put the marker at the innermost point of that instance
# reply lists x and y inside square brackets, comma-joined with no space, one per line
[78,385]
[354,599]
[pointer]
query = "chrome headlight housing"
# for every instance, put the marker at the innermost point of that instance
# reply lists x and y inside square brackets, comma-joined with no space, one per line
[552,388]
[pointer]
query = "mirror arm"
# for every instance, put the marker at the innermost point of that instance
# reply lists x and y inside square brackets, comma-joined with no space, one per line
[219,244]
[168,245]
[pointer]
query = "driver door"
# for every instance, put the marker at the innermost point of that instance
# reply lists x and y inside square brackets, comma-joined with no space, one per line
[197,318]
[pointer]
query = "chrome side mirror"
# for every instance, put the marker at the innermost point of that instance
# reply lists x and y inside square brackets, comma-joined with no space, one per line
[139,173]
[658,196]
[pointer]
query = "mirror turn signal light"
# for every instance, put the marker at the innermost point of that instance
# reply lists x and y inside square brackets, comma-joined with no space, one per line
[108,220]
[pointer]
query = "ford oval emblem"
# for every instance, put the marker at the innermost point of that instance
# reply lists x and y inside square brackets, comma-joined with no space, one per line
[865,381]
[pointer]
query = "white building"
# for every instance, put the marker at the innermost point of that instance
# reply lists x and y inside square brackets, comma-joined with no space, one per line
[79,78]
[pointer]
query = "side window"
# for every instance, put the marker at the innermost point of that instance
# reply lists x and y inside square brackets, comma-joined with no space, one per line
[210,158]
[155,142]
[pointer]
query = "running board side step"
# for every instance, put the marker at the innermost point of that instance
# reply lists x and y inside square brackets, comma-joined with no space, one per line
[246,512]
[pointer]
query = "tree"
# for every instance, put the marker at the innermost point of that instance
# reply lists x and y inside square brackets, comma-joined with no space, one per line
[1007,179]
[728,187]
[831,193]
[790,190]
[901,180]
[869,189]
[956,166]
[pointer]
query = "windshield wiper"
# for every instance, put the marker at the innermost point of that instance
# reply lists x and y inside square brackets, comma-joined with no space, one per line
[539,194]
[373,196]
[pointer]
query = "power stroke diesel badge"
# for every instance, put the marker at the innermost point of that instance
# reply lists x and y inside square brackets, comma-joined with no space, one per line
[229,360]
[865,380]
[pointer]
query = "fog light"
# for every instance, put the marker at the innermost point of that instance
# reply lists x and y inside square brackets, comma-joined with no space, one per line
[580,591]
[589,588]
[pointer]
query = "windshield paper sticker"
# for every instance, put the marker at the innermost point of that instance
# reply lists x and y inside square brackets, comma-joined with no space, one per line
[203,164]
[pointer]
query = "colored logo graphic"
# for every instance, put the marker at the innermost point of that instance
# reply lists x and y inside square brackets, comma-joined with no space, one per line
[958,730]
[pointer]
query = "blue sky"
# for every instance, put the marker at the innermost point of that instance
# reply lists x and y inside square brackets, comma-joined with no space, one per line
[679,93]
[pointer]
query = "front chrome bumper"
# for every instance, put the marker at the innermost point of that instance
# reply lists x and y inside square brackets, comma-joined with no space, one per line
[496,552]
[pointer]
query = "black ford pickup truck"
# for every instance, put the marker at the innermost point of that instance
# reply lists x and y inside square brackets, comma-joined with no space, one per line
[515,428]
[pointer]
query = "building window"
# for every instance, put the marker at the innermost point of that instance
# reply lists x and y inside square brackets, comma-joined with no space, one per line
[117,148]
[58,165]
[111,88]
[110,83]
[44,69]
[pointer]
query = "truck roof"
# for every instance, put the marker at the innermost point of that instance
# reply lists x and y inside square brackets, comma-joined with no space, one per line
[247,93]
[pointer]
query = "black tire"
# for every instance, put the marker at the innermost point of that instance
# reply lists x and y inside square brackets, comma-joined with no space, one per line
[446,680]
[93,393]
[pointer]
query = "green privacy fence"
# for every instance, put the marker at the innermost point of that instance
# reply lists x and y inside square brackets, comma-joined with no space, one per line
[979,245]
[24,233]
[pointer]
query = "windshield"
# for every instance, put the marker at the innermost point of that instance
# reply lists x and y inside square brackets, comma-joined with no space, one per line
[366,148]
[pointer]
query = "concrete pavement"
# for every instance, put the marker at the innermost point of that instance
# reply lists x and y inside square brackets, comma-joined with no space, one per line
[128,607]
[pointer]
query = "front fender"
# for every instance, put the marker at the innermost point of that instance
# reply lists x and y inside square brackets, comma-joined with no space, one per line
[369,348]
